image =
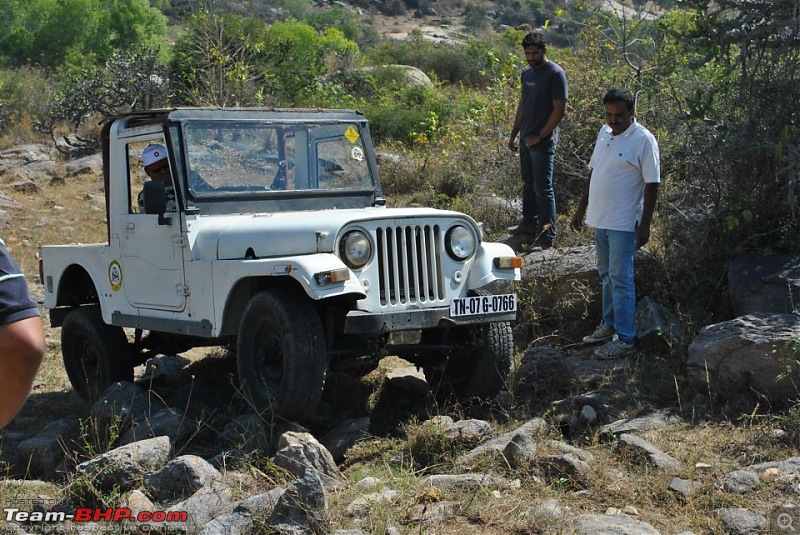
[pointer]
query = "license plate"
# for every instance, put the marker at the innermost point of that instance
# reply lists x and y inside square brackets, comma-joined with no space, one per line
[483,304]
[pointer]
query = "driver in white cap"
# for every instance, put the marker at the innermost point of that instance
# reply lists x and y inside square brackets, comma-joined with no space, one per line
[156,165]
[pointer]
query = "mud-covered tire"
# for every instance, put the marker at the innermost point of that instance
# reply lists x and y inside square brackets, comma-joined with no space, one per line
[281,355]
[476,371]
[95,354]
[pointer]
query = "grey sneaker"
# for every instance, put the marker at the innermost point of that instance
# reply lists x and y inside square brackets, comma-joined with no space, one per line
[615,349]
[601,334]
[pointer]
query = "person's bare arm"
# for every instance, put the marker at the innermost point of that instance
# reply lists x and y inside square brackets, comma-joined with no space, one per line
[22,347]
[650,195]
[577,219]
[512,138]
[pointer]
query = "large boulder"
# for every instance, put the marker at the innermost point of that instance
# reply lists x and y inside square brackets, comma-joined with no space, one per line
[413,75]
[764,283]
[752,353]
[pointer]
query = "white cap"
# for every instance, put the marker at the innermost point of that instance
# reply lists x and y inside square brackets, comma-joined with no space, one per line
[153,154]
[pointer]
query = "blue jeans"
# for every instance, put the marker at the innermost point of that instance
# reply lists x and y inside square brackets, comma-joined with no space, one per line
[538,196]
[615,252]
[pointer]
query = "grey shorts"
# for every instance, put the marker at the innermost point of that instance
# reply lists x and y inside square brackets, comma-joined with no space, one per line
[15,300]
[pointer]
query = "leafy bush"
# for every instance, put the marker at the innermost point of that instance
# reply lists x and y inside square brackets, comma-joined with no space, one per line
[26,93]
[77,32]
[472,64]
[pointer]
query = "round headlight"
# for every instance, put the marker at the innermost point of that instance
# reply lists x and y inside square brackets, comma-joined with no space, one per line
[460,243]
[355,249]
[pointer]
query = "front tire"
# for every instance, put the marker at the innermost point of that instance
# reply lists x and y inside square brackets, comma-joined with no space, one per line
[281,355]
[477,370]
[95,354]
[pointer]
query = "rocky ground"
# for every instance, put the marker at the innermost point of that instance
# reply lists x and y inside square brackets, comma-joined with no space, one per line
[575,445]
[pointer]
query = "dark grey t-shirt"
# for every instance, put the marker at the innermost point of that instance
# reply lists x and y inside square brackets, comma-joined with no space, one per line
[540,87]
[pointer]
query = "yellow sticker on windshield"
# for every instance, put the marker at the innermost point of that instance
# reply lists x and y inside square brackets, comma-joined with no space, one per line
[351,134]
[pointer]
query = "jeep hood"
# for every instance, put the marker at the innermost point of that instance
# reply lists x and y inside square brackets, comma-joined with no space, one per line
[292,233]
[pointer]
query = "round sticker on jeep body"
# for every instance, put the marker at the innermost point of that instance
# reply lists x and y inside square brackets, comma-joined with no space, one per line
[115,275]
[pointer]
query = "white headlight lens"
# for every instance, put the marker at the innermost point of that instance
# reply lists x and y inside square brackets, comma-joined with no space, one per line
[460,243]
[355,249]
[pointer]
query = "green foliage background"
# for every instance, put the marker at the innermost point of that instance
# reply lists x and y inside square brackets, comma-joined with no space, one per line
[717,85]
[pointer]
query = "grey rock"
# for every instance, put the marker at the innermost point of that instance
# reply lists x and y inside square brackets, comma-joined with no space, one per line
[137,501]
[163,422]
[550,509]
[639,449]
[462,429]
[368,483]
[413,75]
[740,481]
[612,525]
[163,370]
[594,400]
[362,505]
[739,521]
[8,202]
[432,513]
[297,451]
[764,283]
[235,523]
[262,505]
[749,353]
[494,446]
[245,433]
[25,186]
[37,171]
[563,447]
[125,465]
[642,423]
[588,414]
[180,478]
[43,453]
[790,466]
[121,405]
[92,164]
[465,481]
[206,504]
[339,439]
[408,379]
[657,328]
[684,487]
[567,469]
[302,505]
[543,370]
[520,450]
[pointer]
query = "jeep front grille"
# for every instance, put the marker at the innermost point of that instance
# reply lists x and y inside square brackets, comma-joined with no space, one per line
[410,264]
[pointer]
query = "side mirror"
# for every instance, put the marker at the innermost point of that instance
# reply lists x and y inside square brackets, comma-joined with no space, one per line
[155,200]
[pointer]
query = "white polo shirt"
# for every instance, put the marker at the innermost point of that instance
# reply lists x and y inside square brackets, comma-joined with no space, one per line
[621,165]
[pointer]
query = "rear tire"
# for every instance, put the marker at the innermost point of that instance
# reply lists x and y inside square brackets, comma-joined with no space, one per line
[281,355]
[95,355]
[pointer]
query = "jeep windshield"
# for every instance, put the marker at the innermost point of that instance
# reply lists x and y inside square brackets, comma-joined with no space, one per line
[257,159]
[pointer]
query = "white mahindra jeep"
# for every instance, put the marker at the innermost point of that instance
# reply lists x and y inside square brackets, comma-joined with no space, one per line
[275,238]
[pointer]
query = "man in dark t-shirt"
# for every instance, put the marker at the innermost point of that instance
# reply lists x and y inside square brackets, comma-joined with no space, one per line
[541,107]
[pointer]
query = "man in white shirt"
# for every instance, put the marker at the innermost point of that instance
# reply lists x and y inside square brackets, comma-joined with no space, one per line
[620,197]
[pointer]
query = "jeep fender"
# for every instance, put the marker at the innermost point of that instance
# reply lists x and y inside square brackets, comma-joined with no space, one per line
[483,269]
[304,270]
